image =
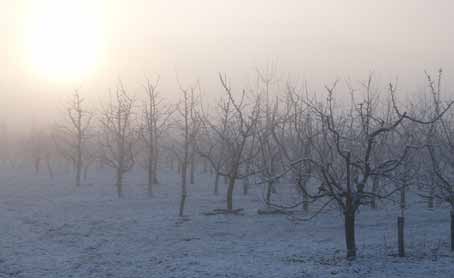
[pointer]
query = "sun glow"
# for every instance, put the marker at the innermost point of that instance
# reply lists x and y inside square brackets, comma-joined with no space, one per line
[63,38]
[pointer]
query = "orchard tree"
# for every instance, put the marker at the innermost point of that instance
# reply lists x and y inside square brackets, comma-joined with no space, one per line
[156,117]
[118,135]
[239,122]
[71,137]
[349,140]
[188,126]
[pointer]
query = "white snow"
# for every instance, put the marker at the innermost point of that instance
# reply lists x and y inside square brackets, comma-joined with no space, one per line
[49,228]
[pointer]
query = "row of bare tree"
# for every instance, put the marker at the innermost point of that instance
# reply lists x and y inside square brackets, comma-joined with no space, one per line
[352,145]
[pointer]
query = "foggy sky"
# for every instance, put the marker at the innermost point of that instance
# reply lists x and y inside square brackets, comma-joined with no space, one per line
[317,41]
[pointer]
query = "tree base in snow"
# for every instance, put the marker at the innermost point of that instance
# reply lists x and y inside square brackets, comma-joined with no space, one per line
[225,211]
[267,211]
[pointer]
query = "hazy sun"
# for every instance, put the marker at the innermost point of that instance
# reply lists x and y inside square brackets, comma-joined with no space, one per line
[63,38]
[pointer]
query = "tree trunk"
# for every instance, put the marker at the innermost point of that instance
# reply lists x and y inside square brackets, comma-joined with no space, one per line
[373,201]
[305,196]
[192,178]
[49,168]
[155,173]
[37,164]
[119,183]
[430,200]
[183,190]
[245,186]
[350,234]
[307,173]
[78,166]
[230,193]
[400,236]
[172,166]
[155,164]
[452,229]
[216,184]
[79,153]
[403,197]
[205,166]
[268,192]
[305,202]
[184,173]
[85,171]
[150,175]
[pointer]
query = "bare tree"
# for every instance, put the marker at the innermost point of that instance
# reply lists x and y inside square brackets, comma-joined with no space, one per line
[442,156]
[435,90]
[440,146]
[211,149]
[156,118]
[190,126]
[118,135]
[269,152]
[41,149]
[235,134]
[344,153]
[71,137]
[350,141]
[293,131]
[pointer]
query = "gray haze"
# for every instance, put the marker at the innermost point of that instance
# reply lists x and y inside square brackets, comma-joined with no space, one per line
[317,41]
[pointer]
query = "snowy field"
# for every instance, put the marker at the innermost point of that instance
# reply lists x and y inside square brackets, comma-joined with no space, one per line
[49,228]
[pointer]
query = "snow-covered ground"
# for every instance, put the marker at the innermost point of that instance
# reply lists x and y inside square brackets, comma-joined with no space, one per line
[49,228]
